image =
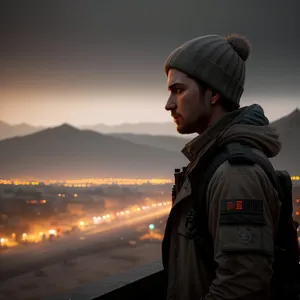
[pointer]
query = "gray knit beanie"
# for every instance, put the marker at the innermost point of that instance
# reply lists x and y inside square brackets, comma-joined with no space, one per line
[216,61]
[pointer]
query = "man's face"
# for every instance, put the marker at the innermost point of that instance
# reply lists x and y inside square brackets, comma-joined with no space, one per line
[188,103]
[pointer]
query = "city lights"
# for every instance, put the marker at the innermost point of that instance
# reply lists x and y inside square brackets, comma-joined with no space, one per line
[85,183]
[113,217]
[89,182]
[151,226]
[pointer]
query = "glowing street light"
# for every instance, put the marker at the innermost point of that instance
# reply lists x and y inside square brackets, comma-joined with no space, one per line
[151,227]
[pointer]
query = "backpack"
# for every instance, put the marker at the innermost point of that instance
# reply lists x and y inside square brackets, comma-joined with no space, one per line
[285,282]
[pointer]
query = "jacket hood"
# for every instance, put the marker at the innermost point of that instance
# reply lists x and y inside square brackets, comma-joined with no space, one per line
[252,126]
[248,124]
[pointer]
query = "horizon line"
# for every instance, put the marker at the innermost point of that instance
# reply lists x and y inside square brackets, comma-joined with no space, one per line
[296,109]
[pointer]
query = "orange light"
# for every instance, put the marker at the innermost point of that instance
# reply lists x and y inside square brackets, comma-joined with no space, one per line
[239,205]
[230,206]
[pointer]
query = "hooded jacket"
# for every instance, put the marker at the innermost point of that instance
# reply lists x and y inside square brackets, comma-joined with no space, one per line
[243,251]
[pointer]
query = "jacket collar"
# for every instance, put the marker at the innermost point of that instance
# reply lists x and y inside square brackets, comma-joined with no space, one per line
[195,146]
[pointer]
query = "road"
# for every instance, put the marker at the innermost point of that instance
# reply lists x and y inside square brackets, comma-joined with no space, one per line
[95,239]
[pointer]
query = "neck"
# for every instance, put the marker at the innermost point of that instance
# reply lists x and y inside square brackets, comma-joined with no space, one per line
[217,114]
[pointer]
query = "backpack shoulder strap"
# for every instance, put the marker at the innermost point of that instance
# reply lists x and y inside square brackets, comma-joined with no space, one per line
[285,281]
[236,154]
[246,155]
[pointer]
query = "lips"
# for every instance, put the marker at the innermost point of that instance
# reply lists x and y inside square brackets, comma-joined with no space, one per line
[176,119]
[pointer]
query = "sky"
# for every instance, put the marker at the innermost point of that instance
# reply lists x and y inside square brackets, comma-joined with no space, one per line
[90,62]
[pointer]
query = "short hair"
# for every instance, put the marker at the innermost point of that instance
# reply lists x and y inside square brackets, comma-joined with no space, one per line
[226,104]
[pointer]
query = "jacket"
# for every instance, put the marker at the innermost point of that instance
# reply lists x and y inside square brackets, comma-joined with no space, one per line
[244,251]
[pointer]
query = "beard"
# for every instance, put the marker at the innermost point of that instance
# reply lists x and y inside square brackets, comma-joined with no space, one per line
[185,129]
[199,125]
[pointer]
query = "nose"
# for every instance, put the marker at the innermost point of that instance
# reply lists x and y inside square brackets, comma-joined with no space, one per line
[171,104]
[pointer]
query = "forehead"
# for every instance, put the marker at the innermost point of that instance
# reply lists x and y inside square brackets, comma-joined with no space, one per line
[177,77]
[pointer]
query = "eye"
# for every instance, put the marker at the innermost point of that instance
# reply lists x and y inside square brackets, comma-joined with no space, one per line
[179,91]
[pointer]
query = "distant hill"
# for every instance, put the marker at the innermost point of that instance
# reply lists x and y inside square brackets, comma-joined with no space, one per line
[7,130]
[288,123]
[170,143]
[288,129]
[66,152]
[160,129]
[138,128]
[144,129]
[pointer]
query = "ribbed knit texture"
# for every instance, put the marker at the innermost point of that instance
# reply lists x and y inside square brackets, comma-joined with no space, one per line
[213,60]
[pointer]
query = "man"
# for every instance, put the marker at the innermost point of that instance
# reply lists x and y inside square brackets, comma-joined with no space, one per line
[206,80]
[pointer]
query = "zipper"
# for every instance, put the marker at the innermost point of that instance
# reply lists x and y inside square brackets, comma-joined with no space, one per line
[176,281]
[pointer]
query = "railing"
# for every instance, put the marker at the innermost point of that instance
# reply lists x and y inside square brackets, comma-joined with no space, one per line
[142,283]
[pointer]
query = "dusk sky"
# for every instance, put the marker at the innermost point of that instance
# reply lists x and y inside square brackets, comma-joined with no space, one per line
[89,62]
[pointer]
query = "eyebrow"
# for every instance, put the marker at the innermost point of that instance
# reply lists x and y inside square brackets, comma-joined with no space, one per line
[176,84]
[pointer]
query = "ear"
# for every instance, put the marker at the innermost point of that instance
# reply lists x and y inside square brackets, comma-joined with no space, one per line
[214,97]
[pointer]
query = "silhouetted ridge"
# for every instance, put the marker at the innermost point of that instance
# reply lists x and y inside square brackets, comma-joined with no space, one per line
[288,129]
[8,131]
[63,129]
[66,152]
[288,122]
[49,134]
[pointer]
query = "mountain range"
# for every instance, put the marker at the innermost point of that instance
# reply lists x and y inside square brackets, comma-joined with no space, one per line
[288,129]
[156,129]
[7,130]
[68,152]
[159,129]
[138,128]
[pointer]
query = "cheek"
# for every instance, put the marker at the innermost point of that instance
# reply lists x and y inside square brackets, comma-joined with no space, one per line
[190,107]
[195,112]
